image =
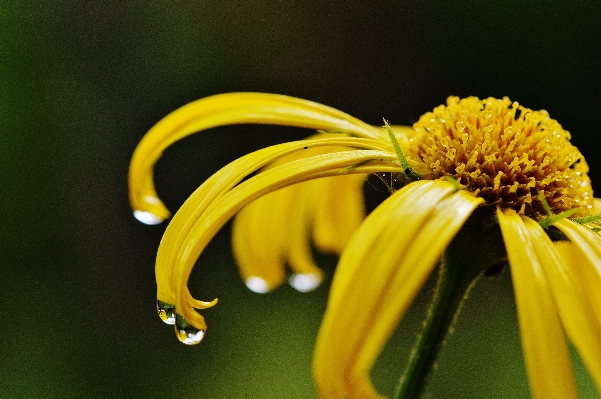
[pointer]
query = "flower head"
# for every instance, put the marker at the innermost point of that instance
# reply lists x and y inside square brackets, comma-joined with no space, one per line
[497,182]
[505,154]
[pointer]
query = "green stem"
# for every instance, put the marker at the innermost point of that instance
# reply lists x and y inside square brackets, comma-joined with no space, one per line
[450,292]
[476,248]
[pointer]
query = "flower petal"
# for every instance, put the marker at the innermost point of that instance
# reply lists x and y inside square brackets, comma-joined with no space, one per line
[257,243]
[586,260]
[577,315]
[381,270]
[445,222]
[545,349]
[295,232]
[276,229]
[219,110]
[339,212]
[218,212]
[219,184]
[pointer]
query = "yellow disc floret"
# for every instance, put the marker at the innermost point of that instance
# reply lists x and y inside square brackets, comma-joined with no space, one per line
[504,153]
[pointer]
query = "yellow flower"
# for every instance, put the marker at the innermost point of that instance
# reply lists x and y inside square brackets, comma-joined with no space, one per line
[497,182]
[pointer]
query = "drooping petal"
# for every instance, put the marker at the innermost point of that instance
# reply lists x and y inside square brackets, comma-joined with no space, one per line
[220,211]
[257,243]
[295,233]
[586,260]
[381,270]
[545,349]
[339,212]
[275,230]
[445,222]
[219,110]
[576,313]
[219,184]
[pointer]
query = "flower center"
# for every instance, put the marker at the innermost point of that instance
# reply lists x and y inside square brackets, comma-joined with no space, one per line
[504,153]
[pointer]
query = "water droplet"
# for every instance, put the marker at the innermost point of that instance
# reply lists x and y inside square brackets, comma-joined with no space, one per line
[147,217]
[304,282]
[187,333]
[166,312]
[257,284]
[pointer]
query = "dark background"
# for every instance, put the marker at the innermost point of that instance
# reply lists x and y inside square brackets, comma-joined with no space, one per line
[81,82]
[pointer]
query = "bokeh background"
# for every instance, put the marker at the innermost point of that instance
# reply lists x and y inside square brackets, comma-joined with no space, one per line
[82,81]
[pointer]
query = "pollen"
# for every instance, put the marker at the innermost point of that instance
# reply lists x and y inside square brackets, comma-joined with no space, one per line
[504,153]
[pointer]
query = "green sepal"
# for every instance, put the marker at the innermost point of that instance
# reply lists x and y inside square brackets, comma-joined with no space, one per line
[409,171]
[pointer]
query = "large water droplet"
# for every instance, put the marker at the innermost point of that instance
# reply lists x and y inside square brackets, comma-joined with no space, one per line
[304,282]
[147,217]
[187,333]
[257,284]
[166,312]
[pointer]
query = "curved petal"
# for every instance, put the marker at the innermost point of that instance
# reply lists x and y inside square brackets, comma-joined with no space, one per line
[275,229]
[545,349]
[576,313]
[219,110]
[220,211]
[379,273]
[219,184]
[295,232]
[257,243]
[586,260]
[339,212]
[446,220]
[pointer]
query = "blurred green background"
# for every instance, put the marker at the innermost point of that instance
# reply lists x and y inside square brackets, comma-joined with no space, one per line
[81,82]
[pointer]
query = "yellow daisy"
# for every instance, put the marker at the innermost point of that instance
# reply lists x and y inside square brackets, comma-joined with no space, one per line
[480,183]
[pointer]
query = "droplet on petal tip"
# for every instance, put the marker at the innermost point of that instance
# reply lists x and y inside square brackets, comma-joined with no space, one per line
[304,282]
[186,333]
[166,312]
[147,217]
[257,284]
